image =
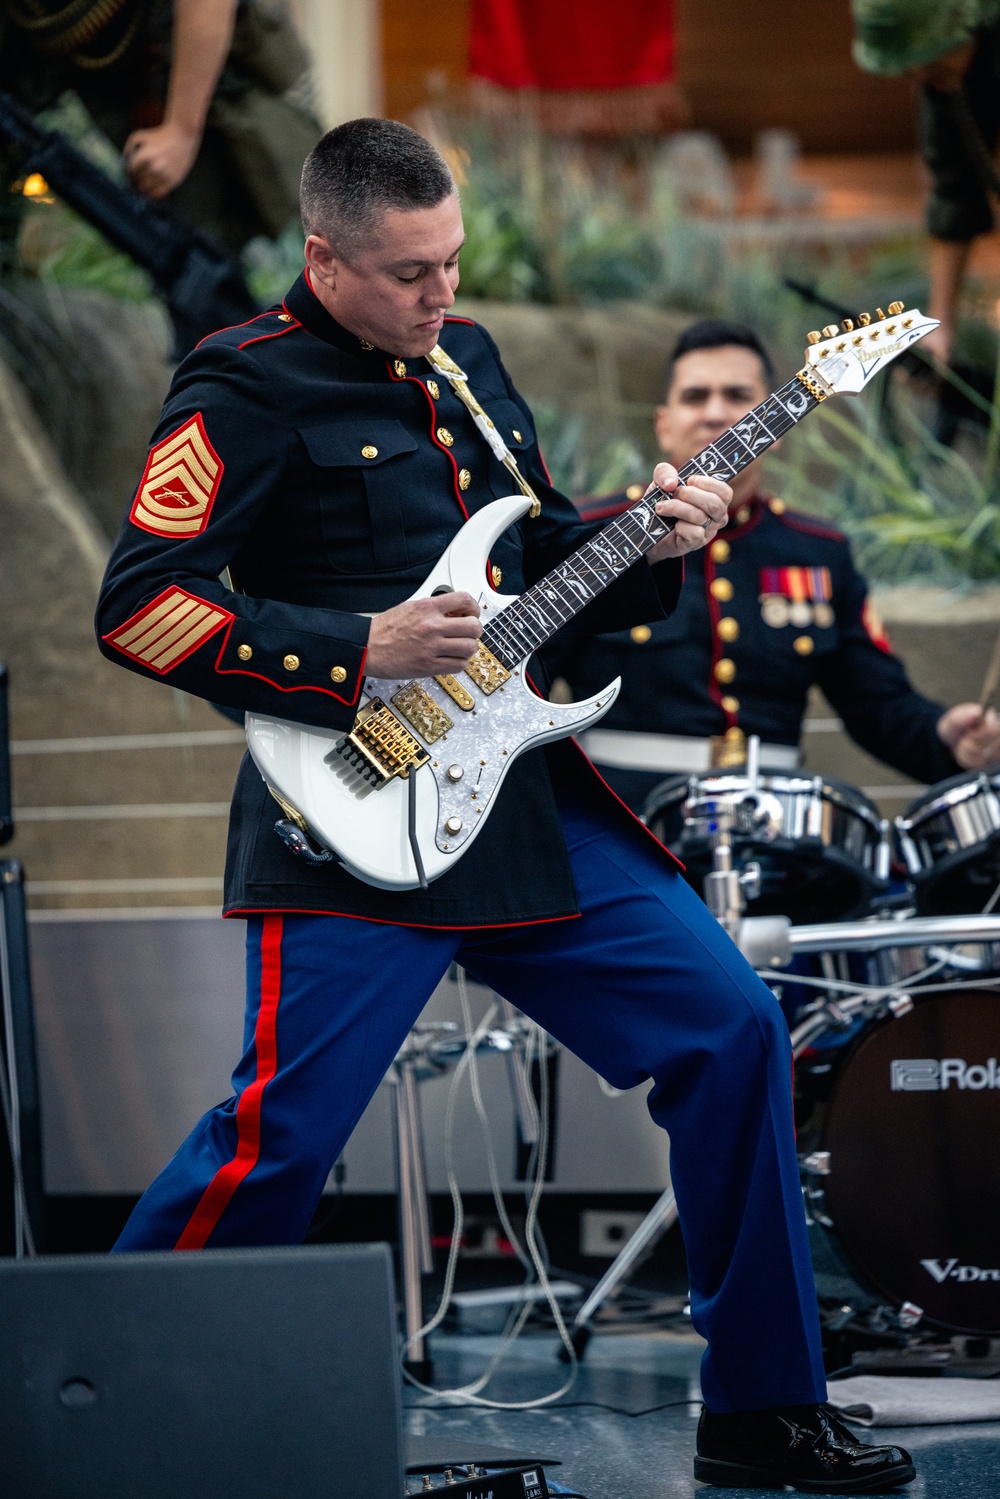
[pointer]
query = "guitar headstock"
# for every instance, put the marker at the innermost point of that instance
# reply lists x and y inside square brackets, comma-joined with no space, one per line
[848,356]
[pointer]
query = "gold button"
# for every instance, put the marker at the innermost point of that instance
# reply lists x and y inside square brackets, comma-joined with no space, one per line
[721,589]
[743,515]
[464,478]
[291,663]
[496,575]
[803,644]
[731,704]
[777,507]
[434,389]
[400,368]
[725,670]
[366,345]
[641,634]
[285,317]
[368,451]
[719,551]
[729,629]
[244,652]
[443,435]
[635,491]
[338,674]
[517,435]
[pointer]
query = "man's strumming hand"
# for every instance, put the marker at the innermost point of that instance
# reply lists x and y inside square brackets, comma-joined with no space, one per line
[424,637]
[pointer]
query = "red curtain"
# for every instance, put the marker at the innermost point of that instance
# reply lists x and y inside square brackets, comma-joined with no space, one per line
[572,44]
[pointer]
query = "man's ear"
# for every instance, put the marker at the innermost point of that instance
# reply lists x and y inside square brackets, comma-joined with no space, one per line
[663,428]
[321,258]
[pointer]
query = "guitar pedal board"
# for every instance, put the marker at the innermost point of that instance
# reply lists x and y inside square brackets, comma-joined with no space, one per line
[472,1482]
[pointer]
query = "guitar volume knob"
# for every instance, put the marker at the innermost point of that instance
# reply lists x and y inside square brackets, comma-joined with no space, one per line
[453,825]
[454,772]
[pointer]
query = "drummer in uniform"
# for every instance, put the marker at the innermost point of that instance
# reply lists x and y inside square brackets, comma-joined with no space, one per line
[771,608]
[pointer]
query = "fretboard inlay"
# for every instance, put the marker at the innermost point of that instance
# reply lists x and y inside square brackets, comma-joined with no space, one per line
[551,603]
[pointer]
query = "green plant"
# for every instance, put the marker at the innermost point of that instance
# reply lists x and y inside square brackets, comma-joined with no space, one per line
[912,507]
[586,458]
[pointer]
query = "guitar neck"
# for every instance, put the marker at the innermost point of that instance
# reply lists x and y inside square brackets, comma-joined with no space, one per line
[544,608]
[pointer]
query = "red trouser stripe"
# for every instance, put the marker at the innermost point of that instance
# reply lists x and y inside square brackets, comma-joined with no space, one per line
[216,1196]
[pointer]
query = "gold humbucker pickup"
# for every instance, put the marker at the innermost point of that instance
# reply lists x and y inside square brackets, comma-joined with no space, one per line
[456,692]
[486,671]
[422,712]
[380,747]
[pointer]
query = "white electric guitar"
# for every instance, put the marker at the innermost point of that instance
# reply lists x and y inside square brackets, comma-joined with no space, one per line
[400,798]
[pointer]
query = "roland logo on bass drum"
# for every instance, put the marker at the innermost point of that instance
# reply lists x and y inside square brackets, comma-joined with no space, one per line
[942,1270]
[927,1075]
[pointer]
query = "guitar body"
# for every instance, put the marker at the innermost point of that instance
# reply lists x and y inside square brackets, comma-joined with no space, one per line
[368,823]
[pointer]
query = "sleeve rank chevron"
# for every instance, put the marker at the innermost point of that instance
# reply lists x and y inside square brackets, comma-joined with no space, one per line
[165,632]
[179,483]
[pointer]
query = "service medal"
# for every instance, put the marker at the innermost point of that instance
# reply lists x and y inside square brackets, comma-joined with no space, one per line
[774,610]
[823,616]
[800,614]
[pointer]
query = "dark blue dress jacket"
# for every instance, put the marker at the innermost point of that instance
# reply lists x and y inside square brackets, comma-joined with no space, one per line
[328,476]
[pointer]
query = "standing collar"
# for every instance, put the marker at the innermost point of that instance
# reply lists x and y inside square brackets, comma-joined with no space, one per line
[306,307]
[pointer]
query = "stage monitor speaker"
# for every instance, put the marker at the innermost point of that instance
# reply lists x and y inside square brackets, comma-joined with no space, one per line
[221,1374]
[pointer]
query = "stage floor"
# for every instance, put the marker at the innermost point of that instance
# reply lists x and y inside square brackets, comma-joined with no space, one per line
[607,1455]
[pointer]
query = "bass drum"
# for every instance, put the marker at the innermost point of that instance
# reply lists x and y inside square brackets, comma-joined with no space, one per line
[950,840]
[821,860]
[912,1128]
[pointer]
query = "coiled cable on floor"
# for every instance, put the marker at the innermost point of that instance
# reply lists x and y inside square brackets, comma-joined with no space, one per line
[530,1254]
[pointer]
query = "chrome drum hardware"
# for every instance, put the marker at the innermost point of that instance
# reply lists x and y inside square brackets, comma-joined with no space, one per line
[950,840]
[822,848]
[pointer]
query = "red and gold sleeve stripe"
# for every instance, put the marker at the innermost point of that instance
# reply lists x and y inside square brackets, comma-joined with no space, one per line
[165,632]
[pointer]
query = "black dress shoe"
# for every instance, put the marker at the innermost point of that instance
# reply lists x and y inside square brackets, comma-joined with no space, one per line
[807,1446]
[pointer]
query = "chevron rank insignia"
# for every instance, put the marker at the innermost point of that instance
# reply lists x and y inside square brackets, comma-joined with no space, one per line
[165,632]
[179,483]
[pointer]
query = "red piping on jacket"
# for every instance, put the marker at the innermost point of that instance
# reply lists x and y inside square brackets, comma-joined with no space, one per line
[422,926]
[289,328]
[219,1192]
[239,671]
[412,380]
[229,328]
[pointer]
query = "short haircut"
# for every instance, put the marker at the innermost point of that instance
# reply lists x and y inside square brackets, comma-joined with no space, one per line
[717,333]
[360,169]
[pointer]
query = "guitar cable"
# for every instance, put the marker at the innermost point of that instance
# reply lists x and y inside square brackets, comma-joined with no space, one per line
[411,825]
[532,1259]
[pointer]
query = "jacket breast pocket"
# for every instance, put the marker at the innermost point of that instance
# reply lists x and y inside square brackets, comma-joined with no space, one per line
[517,432]
[378,511]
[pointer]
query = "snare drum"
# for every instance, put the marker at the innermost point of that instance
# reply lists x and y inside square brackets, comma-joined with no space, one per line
[907,1125]
[823,856]
[950,840]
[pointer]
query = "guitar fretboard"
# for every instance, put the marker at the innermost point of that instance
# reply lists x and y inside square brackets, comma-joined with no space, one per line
[544,608]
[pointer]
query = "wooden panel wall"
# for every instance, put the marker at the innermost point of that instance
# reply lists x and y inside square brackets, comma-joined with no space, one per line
[743,67]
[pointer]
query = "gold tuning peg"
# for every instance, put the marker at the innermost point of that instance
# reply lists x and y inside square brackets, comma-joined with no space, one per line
[813,337]
[831,330]
[895,308]
[847,325]
[864,318]
[880,314]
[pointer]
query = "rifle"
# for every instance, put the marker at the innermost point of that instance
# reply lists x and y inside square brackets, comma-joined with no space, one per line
[203,287]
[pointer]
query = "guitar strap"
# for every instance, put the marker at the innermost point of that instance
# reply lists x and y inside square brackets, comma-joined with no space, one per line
[445,366]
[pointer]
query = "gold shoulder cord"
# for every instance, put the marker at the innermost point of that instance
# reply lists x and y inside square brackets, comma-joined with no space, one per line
[445,366]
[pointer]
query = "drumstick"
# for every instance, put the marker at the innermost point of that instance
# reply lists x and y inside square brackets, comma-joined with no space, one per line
[992,678]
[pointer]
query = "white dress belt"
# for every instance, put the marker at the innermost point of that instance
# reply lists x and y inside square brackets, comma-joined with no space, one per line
[624,749]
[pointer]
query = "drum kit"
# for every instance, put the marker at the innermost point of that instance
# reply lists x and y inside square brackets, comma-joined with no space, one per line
[881,944]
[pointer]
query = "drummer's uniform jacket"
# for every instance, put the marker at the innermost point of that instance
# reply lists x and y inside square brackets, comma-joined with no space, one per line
[328,476]
[771,608]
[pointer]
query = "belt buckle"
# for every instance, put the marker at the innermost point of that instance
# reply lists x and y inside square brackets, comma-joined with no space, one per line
[727,751]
